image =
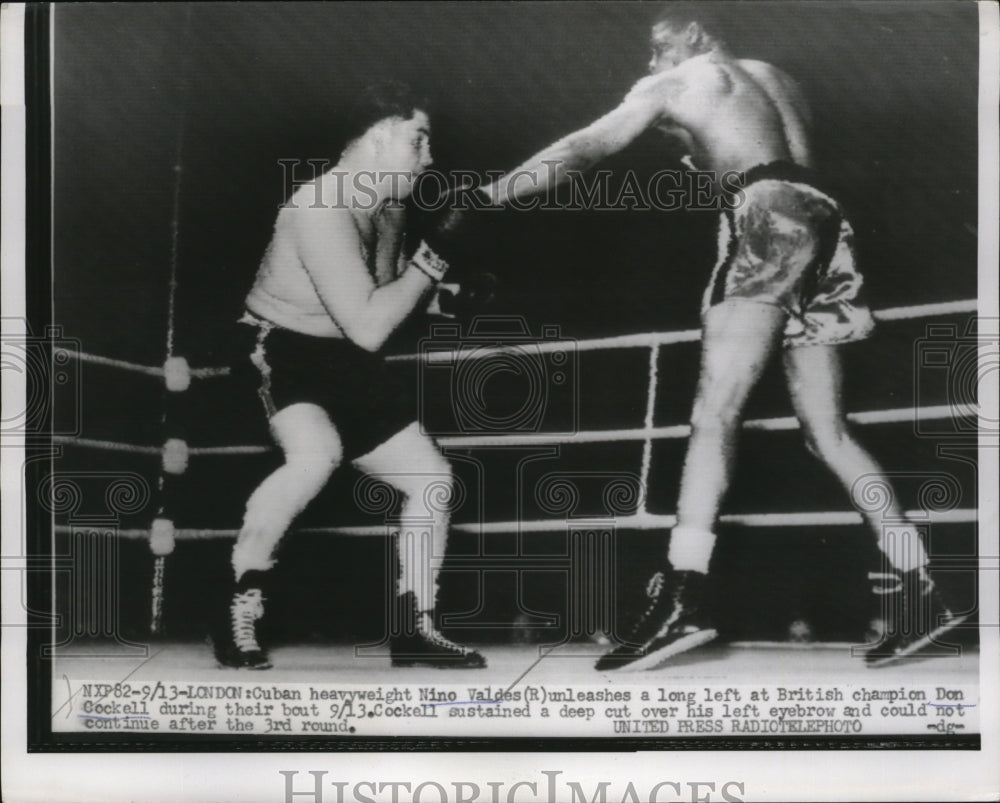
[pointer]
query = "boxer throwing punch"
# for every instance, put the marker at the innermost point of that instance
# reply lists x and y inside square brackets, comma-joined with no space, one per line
[785,274]
[332,287]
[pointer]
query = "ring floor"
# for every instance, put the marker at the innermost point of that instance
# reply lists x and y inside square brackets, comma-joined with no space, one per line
[749,662]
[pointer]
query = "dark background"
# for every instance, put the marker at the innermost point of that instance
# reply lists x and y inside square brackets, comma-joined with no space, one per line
[223,92]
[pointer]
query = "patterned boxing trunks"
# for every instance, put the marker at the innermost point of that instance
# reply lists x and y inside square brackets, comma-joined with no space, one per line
[789,244]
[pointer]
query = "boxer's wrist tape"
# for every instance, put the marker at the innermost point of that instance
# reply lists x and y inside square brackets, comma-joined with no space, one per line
[428,262]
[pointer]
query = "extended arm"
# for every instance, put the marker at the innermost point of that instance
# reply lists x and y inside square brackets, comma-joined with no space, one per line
[329,247]
[578,151]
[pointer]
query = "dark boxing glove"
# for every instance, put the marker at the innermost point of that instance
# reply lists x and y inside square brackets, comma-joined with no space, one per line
[475,294]
[444,220]
[465,300]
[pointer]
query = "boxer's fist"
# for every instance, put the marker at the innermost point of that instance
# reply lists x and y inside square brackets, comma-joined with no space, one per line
[472,297]
[446,219]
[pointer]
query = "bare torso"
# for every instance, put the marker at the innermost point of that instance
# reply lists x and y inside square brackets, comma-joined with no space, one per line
[733,114]
[285,292]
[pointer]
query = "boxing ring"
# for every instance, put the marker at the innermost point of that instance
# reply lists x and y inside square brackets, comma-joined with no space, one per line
[175,455]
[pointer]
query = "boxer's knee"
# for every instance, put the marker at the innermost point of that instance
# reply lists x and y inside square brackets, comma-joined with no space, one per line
[431,487]
[435,465]
[307,437]
[312,447]
[412,464]
[718,414]
[825,440]
[311,470]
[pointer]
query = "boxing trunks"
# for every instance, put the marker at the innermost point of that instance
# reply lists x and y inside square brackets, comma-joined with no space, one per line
[784,242]
[366,403]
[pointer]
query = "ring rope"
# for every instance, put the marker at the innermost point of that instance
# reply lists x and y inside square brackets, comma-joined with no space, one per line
[111,446]
[651,339]
[639,521]
[149,370]
[175,226]
[221,450]
[114,446]
[173,381]
[209,373]
[647,340]
[647,446]
[162,533]
[676,431]
[927,310]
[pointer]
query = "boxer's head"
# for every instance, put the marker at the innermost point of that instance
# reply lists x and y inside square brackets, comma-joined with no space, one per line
[392,122]
[678,35]
[402,144]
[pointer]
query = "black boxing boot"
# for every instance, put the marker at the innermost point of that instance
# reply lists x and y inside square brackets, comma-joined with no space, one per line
[236,643]
[670,624]
[915,616]
[415,642]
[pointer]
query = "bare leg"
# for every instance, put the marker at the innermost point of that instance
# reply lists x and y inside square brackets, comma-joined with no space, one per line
[312,451]
[815,384]
[412,463]
[739,337]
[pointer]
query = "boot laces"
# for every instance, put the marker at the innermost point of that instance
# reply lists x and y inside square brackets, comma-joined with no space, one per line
[429,632]
[892,583]
[246,609]
[654,588]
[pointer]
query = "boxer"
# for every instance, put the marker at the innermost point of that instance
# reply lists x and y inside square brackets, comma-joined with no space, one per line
[333,285]
[785,276]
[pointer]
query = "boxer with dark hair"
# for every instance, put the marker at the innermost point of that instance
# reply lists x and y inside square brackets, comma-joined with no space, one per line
[381,101]
[785,275]
[333,285]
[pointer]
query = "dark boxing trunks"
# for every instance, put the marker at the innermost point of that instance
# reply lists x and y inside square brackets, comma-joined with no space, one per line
[788,244]
[366,403]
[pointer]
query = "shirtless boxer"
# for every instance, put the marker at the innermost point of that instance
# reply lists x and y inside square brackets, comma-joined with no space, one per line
[331,288]
[785,272]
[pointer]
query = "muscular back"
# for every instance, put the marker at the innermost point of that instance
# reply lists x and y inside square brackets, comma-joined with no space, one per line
[736,113]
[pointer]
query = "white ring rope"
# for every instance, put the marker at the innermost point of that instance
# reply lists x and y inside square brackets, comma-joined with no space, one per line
[209,373]
[926,310]
[676,431]
[651,339]
[111,446]
[647,446]
[221,450]
[114,446]
[640,521]
[646,340]
[148,370]
[123,364]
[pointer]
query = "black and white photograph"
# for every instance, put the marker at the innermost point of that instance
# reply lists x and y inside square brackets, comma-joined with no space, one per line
[500,401]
